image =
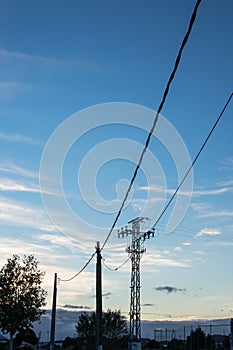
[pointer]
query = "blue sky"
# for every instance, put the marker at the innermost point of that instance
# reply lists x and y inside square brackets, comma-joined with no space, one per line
[57,59]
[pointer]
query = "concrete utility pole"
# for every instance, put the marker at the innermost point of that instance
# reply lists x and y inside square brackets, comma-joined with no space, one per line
[53,319]
[98,299]
[135,251]
[231,335]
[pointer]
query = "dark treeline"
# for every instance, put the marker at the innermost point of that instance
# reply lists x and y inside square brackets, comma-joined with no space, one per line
[197,340]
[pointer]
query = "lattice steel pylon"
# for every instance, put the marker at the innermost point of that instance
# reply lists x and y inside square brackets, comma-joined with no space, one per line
[135,251]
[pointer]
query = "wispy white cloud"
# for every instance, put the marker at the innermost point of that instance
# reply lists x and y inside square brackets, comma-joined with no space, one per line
[186,243]
[171,263]
[225,183]
[8,167]
[12,88]
[138,204]
[212,192]
[195,193]
[178,249]
[158,189]
[16,213]
[8,89]
[218,213]
[8,185]
[60,240]
[208,232]
[51,260]
[160,259]
[12,56]
[226,164]
[18,138]
[200,207]
[20,247]
[15,181]
[206,210]
[221,244]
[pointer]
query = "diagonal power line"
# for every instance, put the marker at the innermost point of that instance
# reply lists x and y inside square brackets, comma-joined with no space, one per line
[165,94]
[163,100]
[194,160]
[170,200]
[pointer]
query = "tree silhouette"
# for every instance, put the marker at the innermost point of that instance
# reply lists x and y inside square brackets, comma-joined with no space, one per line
[113,323]
[86,325]
[197,339]
[21,295]
[28,336]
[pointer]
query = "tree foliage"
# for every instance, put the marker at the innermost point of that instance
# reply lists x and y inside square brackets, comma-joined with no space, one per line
[28,336]
[21,294]
[86,325]
[198,340]
[113,323]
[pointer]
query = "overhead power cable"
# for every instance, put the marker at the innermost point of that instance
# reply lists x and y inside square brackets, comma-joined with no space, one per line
[164,97]
[82,269]
[118,267]
[194,161]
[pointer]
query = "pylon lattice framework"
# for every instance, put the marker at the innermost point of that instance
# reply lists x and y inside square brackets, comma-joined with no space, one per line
[135,250]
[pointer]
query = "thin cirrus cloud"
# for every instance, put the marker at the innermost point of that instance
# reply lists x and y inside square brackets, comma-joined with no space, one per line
[206,211]
[226,183]
[16,213]
[8,185]
[226,164]
[218,213]
[60,240]
[18,138]
[12,57]
[208,232]
[9,88]
[160,259]
[187,244]
[22,215]
[17,55]
[195,193]
[11,168]
[12,87]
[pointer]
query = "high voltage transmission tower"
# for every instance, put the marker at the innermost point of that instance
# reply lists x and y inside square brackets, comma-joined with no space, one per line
[135,251]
